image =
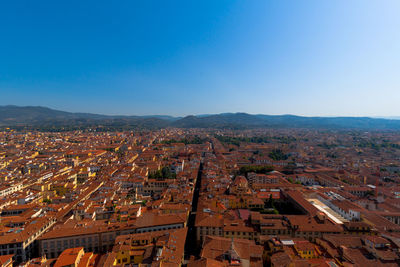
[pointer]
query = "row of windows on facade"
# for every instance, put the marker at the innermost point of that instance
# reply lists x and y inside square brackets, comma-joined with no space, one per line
[71,241]
[9,252]
[82,241]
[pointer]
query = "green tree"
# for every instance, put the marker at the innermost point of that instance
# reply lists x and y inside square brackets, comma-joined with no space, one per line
[278,155]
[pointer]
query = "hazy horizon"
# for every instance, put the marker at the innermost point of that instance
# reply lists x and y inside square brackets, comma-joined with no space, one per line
[203,114]
[178,58]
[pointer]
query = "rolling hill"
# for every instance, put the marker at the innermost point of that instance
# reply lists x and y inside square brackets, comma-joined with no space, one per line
[42,117]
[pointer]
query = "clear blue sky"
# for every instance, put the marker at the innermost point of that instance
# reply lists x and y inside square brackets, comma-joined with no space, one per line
[193,57]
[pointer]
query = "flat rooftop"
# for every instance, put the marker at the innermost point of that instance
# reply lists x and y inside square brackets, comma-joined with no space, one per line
[334,216]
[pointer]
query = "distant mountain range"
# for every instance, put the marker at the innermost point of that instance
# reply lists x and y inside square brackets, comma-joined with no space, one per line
[46,118]
[388,117]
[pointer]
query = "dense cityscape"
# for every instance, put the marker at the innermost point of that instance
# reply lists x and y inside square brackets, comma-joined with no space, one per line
[200,197]
[199,133]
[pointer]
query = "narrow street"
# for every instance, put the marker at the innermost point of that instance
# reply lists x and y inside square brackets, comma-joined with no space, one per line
[190,244]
